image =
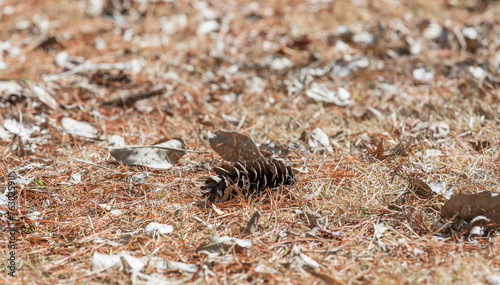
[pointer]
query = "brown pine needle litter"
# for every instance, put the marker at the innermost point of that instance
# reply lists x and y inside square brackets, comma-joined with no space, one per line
[382,111]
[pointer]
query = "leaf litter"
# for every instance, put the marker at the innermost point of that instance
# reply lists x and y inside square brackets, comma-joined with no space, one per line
[364,101]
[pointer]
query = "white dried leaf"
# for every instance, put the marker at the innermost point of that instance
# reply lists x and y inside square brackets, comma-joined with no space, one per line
[173,24]
[105,206]
[94,8]
[379,230]
[82,129]
[116,212]
[4,134]
[422,75]
[478,72]
[255,85]
[24,131]
[207,27]
[45,97]
[470,32]
[343,48]
[62,58]
[76,178]
[116,141]
[432,152]
[363,37]
[437,187]
[299,259]
[432,31]
[320,136]
[101,262]
[160,156]
[270,46]
[10,87]
[131,263]
[322,94]
[415,45]
[161,229]
[162,264]
[493,279]
[280,63]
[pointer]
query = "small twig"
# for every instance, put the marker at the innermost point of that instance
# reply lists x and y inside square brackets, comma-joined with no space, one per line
[163,147]
[134,96]
[88,162]
[89,66]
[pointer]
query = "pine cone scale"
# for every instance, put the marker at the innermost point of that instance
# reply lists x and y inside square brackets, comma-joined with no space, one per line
[246,177]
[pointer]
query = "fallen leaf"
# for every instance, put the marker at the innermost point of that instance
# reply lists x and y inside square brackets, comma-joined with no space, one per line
[101,262]
[493,279]
[378,153]
[160,156]
[469,206]
[477,227]
[153,229]
[82,129]
[379,230]
[220,245]
[300,260]
[164,265]
[44,96]
[420,74]
[233,146]
[323,94]
[420,188]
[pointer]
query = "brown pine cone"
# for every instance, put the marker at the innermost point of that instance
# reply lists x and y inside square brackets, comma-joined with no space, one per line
[250,178]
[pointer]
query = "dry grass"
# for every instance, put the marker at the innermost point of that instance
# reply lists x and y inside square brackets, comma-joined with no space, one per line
[351,192]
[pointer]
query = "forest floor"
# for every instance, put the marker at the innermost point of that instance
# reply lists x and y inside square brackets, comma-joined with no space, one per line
[375,104]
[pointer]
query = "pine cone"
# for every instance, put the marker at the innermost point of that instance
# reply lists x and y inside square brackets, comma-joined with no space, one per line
[247,177]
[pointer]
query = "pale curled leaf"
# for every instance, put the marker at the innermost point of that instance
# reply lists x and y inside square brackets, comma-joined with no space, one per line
[493,279]
[323,94]
[157,228]
[82,129]
[298,259]
[4,134]
[101,262]
[379,230]
[165,265]
[233,146]
[160,156]
[44,96]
